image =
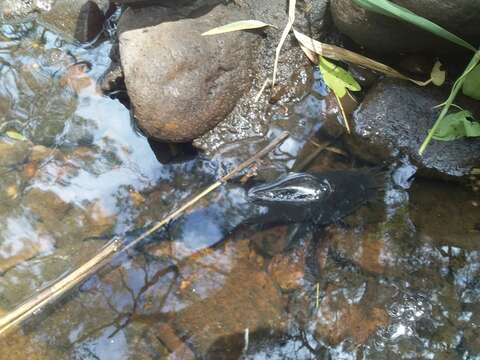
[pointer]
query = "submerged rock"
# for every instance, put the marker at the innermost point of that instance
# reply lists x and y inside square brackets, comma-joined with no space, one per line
[11,257]
[384,34]
[81,20]
[337,319]
[65,221]
[246,299]
[14,153]
[394,120]
[288,271]
[455,223]
[21,346]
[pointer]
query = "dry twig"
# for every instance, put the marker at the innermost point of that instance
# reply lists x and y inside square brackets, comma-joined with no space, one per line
[286,31]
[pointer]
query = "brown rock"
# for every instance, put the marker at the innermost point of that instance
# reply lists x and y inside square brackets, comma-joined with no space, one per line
[247,298]
[47,205]
[271,241]
[40,152]
[17,346]
[29,250]
[177,348]
[338,319]
[67,222]
[194,81]
[368,250]
[75,19]
[455,223]
[288,270]
[13,153]
[98,220]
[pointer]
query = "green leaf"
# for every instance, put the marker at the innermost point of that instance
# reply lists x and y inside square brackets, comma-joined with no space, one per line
[449,102]
[336,78]
[438,75]
[387,8]
[456,126]
[237,26]
[15,135]
[471,86]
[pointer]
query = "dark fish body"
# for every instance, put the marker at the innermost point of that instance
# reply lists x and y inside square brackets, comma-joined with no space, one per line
[320,198]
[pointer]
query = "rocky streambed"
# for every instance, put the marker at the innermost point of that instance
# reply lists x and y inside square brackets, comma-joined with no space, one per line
[83,124]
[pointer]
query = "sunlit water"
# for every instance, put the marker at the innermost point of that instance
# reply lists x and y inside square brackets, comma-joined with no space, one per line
[398,279]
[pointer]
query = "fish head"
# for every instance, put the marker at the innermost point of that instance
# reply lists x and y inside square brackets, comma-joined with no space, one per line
[295,189]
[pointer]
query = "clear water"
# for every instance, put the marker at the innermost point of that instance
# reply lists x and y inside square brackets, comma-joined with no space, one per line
[398,279]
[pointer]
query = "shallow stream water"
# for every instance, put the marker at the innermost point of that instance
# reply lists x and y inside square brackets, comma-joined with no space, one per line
[400,278]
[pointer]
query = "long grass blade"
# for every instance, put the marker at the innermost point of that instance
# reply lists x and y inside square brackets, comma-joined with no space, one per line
[236,26]
[286,31]
[446,106]
[337,53]
[387,8]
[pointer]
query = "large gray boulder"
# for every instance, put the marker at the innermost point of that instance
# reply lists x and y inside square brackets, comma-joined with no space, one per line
[182,84]
[393,121]
[384,34]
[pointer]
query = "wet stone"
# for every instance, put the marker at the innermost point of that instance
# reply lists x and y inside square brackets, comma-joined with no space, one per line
[80,20]
[367,252]
[65,221]
[384,130]
[210,87]
[14,153]
[374,245]
[10,258]
[247,299]
[46,205]
[384,34]
[288,270]
[232,114]
[452,224]
[338,319]
[271,241]
[24,347]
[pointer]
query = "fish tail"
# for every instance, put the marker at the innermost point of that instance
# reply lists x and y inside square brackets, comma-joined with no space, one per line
[374,182]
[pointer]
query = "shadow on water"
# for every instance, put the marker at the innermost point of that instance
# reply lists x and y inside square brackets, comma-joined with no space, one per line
[397,278]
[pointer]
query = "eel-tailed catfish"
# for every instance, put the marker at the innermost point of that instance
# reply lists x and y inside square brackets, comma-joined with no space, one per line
[317,199]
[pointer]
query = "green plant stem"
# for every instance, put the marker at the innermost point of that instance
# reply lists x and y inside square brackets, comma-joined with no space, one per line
[455,89]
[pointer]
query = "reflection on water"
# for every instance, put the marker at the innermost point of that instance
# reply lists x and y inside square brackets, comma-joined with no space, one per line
[397,279]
